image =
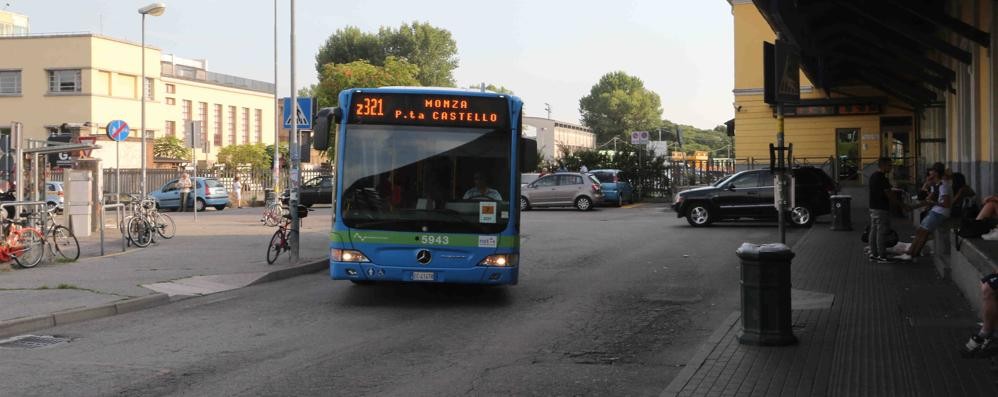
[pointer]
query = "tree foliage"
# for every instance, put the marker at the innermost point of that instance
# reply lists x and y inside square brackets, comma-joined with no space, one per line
[714,140]
[255,155]
[626,158]
[491,87]
[431,49]
[171,147]
[338,77]
[618,104]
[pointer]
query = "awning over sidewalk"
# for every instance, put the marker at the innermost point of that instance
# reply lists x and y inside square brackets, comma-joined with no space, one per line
[897,46]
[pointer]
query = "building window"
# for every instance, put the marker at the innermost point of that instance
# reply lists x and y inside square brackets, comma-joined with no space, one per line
[232,125]
[186,110]
[149,88]
[246,130]
[65,81]
[258,123]
[218,125]
[171,128]
[10,82]
[203,115]
[171,89]
[186,72]
[171,101]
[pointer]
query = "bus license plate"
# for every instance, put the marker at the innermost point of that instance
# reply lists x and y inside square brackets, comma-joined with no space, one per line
[422,276]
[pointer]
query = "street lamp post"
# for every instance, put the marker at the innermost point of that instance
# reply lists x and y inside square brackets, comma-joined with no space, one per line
[154,9]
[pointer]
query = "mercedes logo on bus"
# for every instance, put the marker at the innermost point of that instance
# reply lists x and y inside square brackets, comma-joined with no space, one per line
[423,257]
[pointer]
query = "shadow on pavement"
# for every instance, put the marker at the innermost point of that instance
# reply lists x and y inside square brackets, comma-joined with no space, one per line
[418,296]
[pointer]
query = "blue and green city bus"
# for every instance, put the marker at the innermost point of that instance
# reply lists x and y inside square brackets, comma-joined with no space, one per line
[427,185]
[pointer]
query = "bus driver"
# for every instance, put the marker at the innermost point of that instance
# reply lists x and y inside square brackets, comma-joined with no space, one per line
[481,191]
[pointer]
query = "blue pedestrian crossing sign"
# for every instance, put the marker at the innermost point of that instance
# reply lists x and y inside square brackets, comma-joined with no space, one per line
[304,116]
[117,130]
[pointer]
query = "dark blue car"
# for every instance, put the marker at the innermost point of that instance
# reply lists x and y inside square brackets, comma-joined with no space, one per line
[617,188]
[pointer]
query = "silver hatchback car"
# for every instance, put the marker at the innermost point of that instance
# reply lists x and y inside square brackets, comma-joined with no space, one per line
[564,189]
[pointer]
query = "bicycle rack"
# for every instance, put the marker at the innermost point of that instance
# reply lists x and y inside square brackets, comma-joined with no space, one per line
[118,216]
[39,207]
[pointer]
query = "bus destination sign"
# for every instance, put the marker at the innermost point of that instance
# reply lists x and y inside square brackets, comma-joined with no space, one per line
[429,110]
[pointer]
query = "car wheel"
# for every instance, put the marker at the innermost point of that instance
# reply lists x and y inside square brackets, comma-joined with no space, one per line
[584,203]
[524,204]
[801,216]
[699,215]
[200,205]
[219,207]
[51,205]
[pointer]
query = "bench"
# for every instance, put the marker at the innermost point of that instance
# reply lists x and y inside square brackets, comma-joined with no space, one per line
[974,259]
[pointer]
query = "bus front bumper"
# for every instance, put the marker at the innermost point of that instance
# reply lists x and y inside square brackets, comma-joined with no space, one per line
[374,272]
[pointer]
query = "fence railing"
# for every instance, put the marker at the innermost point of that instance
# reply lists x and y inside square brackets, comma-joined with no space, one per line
[255,183]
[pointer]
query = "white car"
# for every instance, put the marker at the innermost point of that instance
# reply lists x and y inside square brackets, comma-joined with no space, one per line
[54,195]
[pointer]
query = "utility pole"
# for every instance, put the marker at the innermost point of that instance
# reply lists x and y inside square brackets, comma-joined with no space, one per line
[294,178]
[547,108]
[277,117]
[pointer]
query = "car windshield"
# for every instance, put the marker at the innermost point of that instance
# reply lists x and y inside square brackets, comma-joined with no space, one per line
[528,178]
[426,179]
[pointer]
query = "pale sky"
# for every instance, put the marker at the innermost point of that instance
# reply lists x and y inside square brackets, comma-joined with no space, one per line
[546,51]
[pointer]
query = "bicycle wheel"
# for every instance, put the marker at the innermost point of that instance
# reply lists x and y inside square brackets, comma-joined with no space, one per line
[165,225]
[272,215]
[65,243]
[139,232]
[275,247]
[30,248]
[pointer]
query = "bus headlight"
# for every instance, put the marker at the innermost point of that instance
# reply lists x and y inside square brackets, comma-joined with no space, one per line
[501,260]
[340,255]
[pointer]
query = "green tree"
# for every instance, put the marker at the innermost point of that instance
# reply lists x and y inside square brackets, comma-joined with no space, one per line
[307,91]
[431,49]
[348,45]
[284,152]
[491,87]
[171,147]
[253,155]
[338,77]
[618,104]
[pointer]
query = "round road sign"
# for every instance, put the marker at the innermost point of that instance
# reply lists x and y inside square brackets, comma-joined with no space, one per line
[117,130]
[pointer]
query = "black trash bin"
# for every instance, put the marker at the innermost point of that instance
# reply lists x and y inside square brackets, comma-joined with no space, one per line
[841,213]
[766,317]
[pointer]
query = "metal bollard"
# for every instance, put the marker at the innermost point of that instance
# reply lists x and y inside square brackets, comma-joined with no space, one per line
[841,212]
[766,317]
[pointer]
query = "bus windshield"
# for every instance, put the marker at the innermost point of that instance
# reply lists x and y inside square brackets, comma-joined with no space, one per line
[426,179]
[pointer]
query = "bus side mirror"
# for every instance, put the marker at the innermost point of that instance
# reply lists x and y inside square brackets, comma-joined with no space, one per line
[528,154]
[326,118]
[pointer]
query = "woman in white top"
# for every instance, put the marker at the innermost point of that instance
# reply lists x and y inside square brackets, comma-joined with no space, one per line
[237,188]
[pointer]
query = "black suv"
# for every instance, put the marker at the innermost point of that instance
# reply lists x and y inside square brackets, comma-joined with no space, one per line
[318,190]
[750,194]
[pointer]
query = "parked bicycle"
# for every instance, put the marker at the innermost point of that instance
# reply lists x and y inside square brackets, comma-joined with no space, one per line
[273,212]
[60,240]
[22,243]
[145,222]
[279,241]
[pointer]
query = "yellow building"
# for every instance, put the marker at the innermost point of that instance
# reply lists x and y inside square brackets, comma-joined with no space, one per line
[88,80]
[897,79]
[12,24]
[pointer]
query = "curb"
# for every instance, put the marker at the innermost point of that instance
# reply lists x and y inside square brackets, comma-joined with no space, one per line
[308,268]
[34,323]
[680,381]
[17,326]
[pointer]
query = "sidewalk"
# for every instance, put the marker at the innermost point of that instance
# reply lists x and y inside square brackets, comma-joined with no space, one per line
[223,250]
[865,329]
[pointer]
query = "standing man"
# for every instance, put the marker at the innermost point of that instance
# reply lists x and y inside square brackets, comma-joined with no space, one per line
[184,184]
[881,199]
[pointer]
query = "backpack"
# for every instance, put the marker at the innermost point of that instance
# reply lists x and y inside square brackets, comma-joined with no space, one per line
[973,228]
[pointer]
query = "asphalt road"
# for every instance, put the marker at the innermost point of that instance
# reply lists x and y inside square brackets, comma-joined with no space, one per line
[610,302]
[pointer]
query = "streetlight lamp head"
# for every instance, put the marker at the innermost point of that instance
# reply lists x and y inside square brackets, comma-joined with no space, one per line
[154,9]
